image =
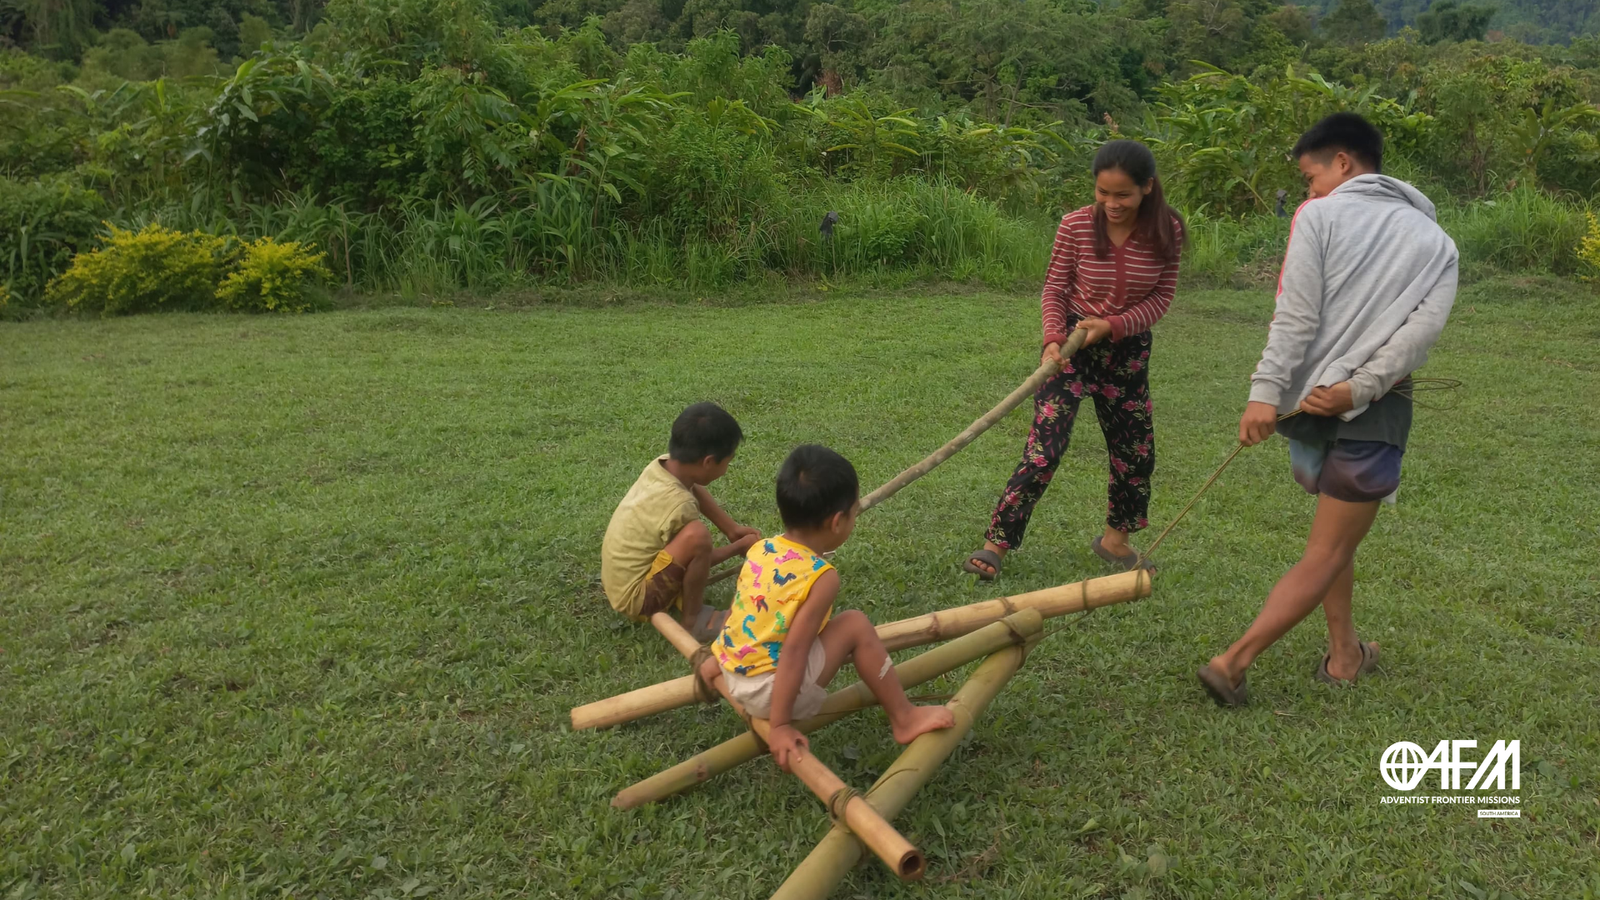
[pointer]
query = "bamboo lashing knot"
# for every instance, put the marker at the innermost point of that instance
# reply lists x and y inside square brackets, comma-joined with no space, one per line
[703,691]
[837,804]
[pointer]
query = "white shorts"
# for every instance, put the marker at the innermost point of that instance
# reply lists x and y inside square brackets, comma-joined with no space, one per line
[754,692]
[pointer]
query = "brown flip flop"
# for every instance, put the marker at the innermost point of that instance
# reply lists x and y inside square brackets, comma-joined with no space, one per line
[1369,662]
[1221,690]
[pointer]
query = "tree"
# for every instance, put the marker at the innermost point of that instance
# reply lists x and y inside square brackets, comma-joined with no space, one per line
[1450,22]
[1293,22]
[1355,22]
[1212,31]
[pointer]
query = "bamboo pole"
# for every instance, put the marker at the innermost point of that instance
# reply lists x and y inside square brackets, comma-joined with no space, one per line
[844,805]
[906,633]
[741,749]
[1051,602]
[956,444]
[820,873]
[983,423]
[676,634]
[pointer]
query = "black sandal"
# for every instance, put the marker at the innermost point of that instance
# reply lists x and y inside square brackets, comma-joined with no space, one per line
[1221,690]
[1128,561]
[1369,661]
[984,555]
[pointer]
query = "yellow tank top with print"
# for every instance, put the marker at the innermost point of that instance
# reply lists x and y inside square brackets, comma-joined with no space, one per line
[775,581]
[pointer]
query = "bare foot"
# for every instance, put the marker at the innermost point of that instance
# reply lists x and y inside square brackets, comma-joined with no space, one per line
[988,569]
[922,720]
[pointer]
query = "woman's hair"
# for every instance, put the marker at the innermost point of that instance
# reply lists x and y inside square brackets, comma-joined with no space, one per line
[1155,222]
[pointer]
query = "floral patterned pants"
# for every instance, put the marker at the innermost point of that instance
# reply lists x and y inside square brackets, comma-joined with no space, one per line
[1117,375]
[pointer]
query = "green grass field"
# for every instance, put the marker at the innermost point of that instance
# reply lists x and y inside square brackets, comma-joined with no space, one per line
[298,607]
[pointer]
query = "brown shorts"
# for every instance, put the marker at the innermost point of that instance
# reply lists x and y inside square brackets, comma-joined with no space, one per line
[663,587]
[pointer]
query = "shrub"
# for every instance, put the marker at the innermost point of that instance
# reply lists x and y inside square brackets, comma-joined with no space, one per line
[156,268]
[273,277]
[1588,251]
[43,224]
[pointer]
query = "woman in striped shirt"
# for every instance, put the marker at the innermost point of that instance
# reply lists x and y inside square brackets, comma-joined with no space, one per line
[1112,274]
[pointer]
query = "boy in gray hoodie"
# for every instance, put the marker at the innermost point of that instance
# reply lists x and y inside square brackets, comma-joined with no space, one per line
[1368,280]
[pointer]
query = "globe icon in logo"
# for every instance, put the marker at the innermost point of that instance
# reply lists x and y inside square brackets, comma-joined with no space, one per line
[1404,764]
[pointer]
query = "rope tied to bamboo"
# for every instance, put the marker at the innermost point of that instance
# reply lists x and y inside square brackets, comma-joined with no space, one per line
[703,691]
[837,803]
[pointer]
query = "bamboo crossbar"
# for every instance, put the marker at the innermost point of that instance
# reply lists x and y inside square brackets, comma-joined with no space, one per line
[906,633]
[918,670]
[956,444]
[820,873]
[843,804]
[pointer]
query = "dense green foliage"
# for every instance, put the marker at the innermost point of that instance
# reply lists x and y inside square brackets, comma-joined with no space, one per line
[428,145]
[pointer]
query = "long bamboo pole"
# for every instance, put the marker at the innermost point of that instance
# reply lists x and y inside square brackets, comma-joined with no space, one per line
[956,444]
[913,632]
[738,750]
[904,860]
[983,423]
[820,873]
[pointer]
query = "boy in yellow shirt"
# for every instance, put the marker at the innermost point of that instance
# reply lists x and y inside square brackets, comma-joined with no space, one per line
[657,553]
[782,643]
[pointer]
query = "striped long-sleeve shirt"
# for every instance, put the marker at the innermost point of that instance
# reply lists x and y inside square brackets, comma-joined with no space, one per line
[1131,288]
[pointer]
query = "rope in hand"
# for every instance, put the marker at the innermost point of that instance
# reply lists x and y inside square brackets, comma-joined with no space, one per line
[1418,385]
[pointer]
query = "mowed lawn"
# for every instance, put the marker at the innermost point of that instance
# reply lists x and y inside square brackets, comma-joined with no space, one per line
[299,607]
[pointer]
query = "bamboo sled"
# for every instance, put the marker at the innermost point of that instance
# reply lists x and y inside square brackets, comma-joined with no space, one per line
[906,633]
[1013,629]
[956,444]
[843,804]
[820,873]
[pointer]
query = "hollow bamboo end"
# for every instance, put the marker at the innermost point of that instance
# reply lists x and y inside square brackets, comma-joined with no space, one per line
[912,866]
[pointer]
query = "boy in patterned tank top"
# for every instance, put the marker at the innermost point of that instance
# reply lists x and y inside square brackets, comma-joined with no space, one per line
[782,643]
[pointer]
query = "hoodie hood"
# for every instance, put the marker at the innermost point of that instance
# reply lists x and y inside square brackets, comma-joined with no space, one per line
[1384,189]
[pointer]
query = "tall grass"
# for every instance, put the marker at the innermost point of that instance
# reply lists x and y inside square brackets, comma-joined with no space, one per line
[908,228]
[886,232]
[1525,230]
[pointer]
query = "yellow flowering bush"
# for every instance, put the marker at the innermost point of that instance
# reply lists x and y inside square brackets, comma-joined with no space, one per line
[140,271]
[274,277]
[1589,250]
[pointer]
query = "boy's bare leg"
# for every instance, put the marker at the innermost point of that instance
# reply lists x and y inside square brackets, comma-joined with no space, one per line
[850,635]
[1343,644]
[691,548]
[1328,562]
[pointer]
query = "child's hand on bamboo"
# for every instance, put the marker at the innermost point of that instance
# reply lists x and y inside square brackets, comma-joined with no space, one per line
[787,744]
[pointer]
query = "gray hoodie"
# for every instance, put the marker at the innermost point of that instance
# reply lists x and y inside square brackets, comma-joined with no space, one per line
[1368,280]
